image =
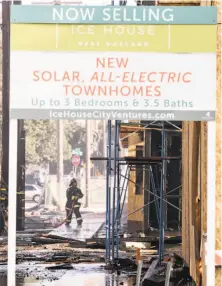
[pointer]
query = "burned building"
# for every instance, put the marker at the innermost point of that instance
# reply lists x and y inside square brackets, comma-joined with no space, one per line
[146,146]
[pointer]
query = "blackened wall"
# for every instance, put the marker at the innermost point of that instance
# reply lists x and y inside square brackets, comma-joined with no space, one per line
[153,144]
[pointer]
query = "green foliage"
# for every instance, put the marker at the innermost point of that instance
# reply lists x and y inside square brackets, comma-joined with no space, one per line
[41,145]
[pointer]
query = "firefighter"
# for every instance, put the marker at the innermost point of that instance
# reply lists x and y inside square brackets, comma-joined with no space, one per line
[73,194]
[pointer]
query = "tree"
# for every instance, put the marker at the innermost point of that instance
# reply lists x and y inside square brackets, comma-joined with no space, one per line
[76,139]
[41,147]
[40,141]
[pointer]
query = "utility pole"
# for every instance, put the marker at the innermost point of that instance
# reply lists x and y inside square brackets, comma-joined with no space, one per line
[5,104]
[21,177]
[20,169]
[60,169]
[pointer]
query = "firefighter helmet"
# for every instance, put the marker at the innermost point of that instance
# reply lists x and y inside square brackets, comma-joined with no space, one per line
[72,182]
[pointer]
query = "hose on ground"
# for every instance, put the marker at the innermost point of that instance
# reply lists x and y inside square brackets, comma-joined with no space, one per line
[37,207]
[61,223]
[39,203]
[70,212]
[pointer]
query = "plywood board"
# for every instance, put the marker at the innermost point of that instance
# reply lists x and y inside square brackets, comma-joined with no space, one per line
[219,144]
[219,141]
[134,201]
[191,208]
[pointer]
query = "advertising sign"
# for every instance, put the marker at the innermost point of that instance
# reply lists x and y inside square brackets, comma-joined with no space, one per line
[90,63]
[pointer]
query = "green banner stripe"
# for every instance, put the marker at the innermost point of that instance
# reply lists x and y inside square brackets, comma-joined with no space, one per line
[124,38]
[114,15]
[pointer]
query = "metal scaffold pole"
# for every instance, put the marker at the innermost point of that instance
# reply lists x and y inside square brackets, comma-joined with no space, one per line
[109,190]
[107,203]
[124,189]
[114,190]
[162,188]
[117,189]
[108,195]
[114,213]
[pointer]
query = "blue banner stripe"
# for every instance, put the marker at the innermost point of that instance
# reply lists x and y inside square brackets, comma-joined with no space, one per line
[165,15]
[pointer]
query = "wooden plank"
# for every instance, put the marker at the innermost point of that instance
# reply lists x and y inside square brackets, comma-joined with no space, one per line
[199,197]
[190,200]
[206,3]
[196,202]
[203,178]
[203,182]
[168,273]
[151,269]
[195,214]
[193,201]
[218,139]
[185,176]
[132,129]
[218,276]
[194,171]
[181,2]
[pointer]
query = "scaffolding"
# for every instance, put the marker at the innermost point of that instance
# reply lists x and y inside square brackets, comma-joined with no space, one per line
[118,190]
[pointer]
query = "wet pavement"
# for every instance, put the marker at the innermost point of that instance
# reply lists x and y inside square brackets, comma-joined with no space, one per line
[34,272]
[81,275]
[92,223]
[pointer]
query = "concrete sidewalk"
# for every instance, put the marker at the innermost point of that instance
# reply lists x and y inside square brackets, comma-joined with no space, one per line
[92,222]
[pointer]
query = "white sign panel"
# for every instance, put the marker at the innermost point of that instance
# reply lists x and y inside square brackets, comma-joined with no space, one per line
[113,85]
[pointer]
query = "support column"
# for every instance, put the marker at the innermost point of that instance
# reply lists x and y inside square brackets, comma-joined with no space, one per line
[211,202]
[21,177]
[218,219]
[12,201]
[88,162]
[60,171]
[5,100]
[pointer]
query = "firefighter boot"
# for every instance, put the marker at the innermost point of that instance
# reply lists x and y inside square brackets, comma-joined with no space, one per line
[77,214]
[68,217]
[79,221]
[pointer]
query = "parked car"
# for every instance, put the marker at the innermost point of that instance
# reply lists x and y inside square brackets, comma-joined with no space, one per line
[33,193]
